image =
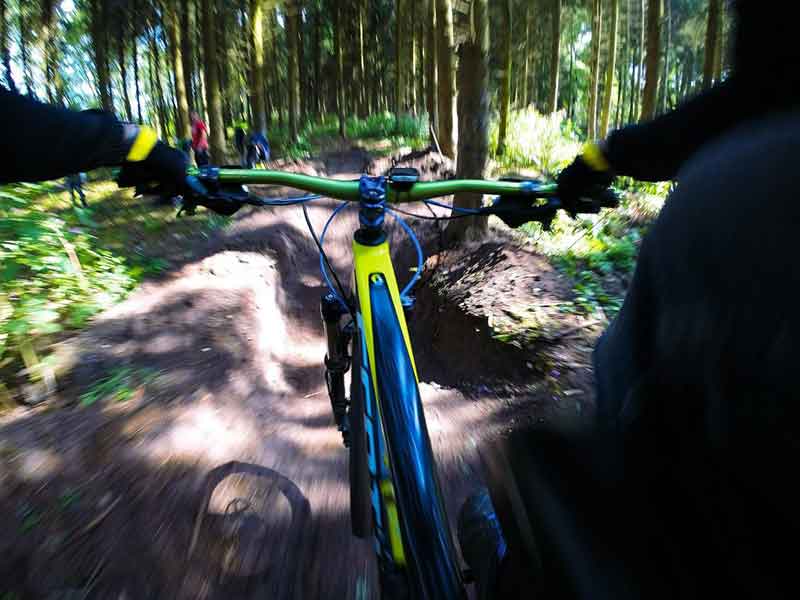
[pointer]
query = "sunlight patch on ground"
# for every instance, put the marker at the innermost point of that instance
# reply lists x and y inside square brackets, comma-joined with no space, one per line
[205,433]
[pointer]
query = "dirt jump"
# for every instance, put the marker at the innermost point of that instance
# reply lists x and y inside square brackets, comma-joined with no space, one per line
[222,474]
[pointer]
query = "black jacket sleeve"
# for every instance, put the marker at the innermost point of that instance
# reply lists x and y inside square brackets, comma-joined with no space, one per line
[41,141]
[655,150]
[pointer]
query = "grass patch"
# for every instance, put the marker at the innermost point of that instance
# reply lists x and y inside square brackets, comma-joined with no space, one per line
[118,386]
[61,265]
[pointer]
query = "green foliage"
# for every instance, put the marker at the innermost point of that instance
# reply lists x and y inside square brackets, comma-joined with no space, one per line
[534,141]
[597,252]
[53,278]
[118,386]
[316,136]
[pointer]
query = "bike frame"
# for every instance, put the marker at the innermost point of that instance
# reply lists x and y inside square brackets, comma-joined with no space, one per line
[400,458]
[395,493]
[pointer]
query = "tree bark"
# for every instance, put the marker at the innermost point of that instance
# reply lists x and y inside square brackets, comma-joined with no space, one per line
[123,70]
[719,52]
[258,103]
[222,32]
[47,43]
[318,62]
[98,14]
[361,62]
[411,60]
[4,48]
[612,57]
[155,73]
[639,60]
[431,83]
[187,51]
[594,67]
[526,51]
[505,74]
[339,59]
[172,22]
[448,132]
[400,71]
[712,32]
[552,104]
[302,79]
[422,55]
[473,114]
[622,66]
[213,100]
[650,93]
[291,68]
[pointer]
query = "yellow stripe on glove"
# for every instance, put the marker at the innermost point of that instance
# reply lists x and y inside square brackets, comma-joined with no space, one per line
[594,157]
[145,141]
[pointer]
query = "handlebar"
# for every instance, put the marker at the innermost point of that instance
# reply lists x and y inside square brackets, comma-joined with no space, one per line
[517,201]
[396,193]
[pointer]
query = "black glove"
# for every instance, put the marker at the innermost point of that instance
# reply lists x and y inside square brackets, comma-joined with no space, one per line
[162,171]
[588,174]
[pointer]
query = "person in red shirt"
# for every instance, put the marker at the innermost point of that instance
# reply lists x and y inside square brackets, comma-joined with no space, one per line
[199,140]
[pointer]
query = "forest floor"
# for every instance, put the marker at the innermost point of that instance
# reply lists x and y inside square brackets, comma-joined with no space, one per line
[190,451]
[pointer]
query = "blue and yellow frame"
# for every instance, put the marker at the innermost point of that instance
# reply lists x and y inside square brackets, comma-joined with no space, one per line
[410,524]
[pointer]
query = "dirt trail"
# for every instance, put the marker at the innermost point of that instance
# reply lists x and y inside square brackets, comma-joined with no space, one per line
[224,477]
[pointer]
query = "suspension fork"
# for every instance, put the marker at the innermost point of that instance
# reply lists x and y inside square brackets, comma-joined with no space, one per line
[337,360]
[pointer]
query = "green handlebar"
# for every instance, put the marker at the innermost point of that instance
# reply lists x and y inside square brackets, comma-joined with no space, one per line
[335,188]
[349,190]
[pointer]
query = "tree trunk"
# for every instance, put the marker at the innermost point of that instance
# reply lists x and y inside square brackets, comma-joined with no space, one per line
[526,51]
[612,57]
[431,84]
[505,75]
[318,62]
[622,80]
[302,78]
[640,59]
[594,67]
[123,70]
[411,60]
[292,68]
[361,62]
[155,73]
[276,76]
[172,23]
[135,46]
[400,72]
[213,100]
[422,54]
[664,90]
[49,48]
[719,52]
[258,104]
[552,105]
[187,51]
[339,59]
[473,115]
[222,32]
[98,20]
[712,33]
[650,94]
[448,133]
[4,48]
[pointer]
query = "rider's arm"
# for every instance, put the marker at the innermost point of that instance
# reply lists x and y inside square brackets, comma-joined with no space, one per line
[41,141]
[656,149]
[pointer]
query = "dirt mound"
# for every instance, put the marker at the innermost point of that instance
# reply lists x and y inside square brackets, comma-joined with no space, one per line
[496,313]
[430,164]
